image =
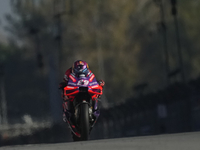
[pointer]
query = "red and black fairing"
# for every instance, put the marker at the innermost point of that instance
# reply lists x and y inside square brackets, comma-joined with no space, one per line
[79,85]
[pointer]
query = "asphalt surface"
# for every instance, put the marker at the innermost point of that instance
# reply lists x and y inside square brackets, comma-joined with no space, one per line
[182,141]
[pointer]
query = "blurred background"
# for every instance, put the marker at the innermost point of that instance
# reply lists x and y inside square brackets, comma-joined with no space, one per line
[147,52]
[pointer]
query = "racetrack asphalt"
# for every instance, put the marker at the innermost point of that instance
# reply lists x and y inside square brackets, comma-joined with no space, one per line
[181,141]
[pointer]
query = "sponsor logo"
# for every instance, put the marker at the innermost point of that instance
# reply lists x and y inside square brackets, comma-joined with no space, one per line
[73,75]
[93,83]
[72,78]
[65,77]
[91,78]
[70,83]
[95,86]
[90,74]
[70,87]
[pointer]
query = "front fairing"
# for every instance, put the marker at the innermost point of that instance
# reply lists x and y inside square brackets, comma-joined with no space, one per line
[75,84]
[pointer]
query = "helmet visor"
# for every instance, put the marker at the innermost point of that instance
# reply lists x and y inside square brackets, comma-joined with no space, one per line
[81,69]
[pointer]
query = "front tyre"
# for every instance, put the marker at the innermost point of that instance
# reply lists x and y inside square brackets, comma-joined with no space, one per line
[84,121]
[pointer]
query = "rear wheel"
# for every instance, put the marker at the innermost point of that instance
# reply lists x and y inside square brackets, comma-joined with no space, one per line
[84,121]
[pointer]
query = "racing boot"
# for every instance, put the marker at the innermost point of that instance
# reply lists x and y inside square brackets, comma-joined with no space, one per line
[68,116]
[96,111]
[67,113]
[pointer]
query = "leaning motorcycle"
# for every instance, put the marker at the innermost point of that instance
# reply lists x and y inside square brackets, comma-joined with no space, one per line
[83,92]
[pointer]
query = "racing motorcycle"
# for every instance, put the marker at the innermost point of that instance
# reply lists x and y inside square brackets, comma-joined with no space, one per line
[83,92]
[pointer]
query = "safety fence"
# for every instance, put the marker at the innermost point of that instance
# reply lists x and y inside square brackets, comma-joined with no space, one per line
[175,109]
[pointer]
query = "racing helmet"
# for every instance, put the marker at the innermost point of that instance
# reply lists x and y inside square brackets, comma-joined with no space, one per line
[80,67]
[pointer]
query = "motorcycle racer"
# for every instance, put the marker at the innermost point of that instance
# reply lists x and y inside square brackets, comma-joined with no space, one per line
[79,67]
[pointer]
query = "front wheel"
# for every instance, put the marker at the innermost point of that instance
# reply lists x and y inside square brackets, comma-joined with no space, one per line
[84,121]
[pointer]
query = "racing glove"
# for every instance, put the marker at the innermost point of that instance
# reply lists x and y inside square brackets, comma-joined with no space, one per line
[101,83]
[62,85]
